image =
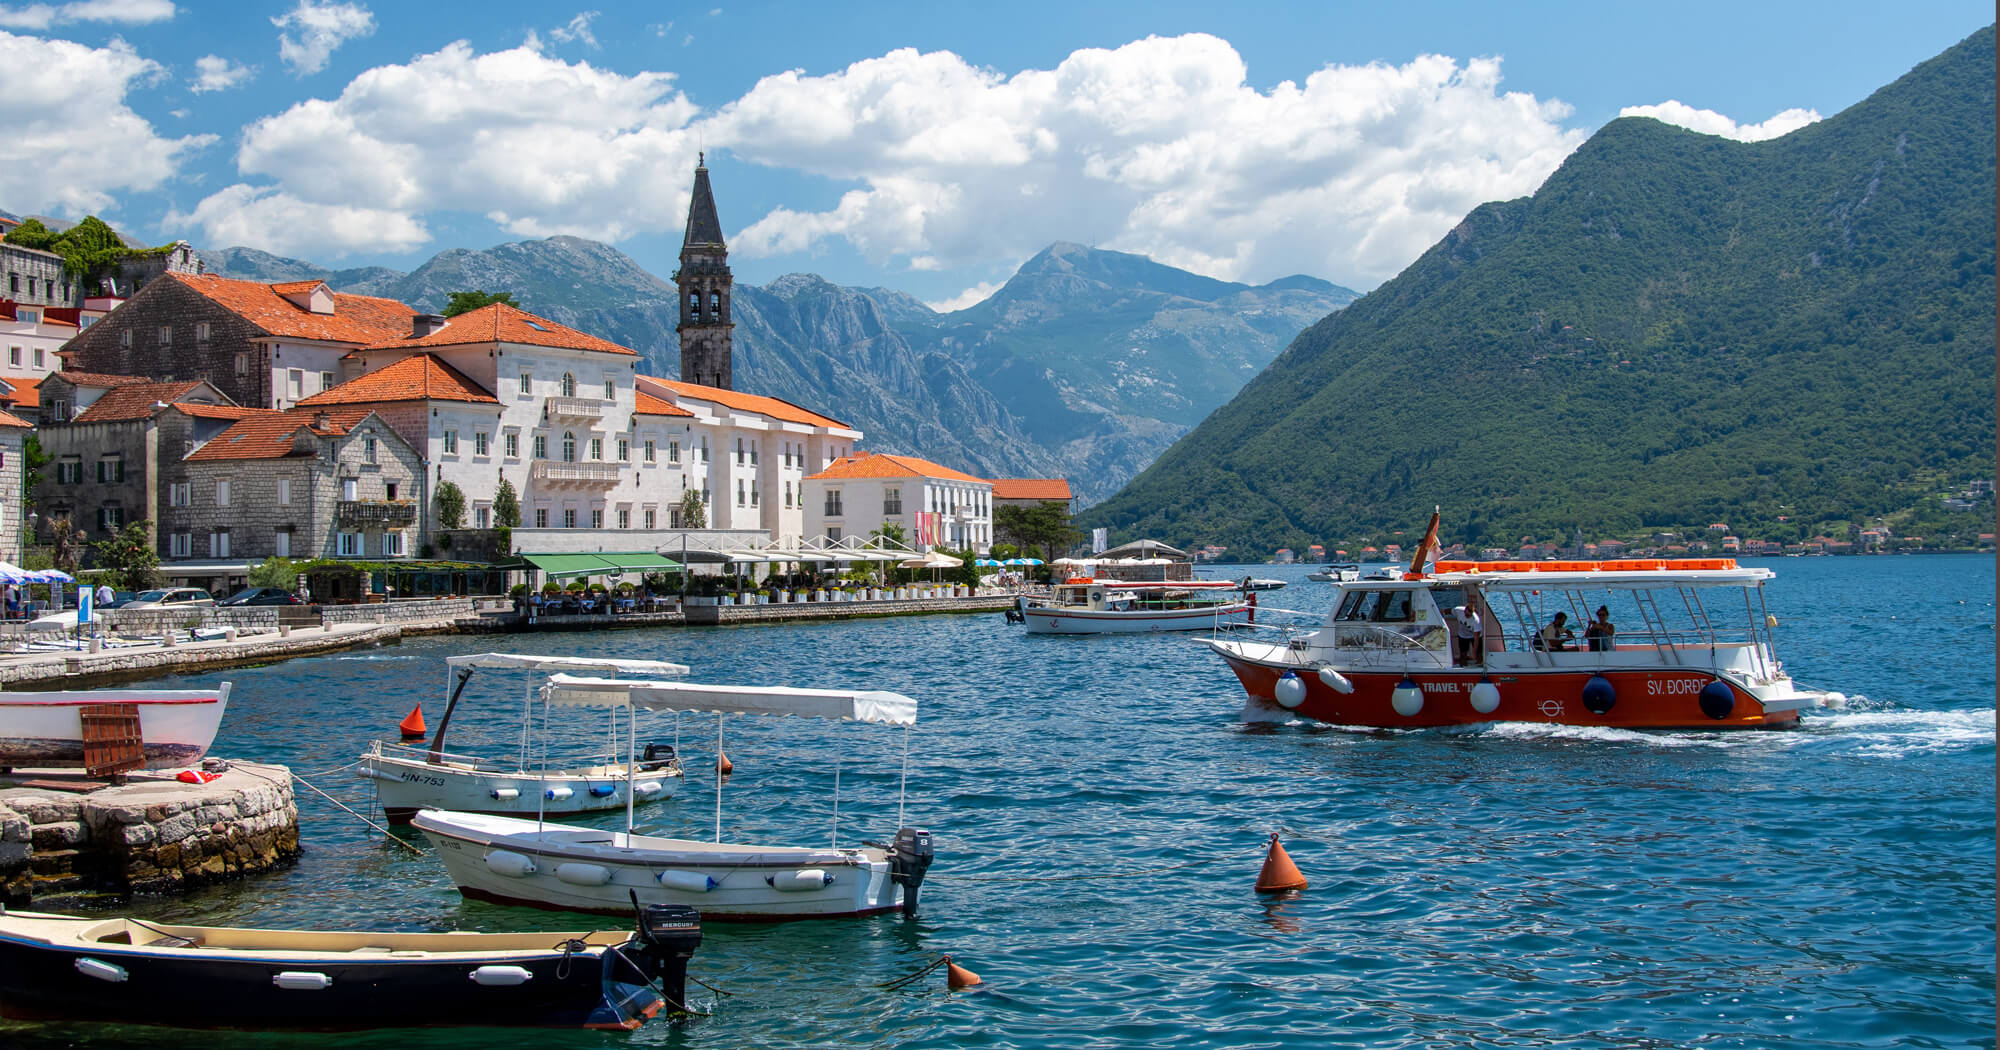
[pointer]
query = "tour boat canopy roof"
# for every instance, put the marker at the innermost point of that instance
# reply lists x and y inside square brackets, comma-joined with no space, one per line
[1572,579]
[536,662]
[1159,585]
[872,705]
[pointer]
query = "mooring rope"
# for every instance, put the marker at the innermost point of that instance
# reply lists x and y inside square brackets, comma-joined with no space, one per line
[1096,875]
[901,982]
[343,805]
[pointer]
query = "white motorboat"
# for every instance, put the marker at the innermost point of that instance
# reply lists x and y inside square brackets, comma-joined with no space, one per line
[149,728]
[535,863]
[1093,606]
[1335,572]
[1259,583]
[408,779]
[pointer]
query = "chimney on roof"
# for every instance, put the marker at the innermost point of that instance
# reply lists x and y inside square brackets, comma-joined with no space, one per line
[424,324]
[322,420]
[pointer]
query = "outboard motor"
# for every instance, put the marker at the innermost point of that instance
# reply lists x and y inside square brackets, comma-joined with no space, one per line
[659,756]
[909,858]
[668,936]
[1019,612]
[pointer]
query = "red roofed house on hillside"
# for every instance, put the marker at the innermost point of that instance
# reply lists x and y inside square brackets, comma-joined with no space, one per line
[31,337]
[1032,492]
[936,505]
[264,345]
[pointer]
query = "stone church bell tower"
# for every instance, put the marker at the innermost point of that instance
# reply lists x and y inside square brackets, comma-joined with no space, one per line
[704,284]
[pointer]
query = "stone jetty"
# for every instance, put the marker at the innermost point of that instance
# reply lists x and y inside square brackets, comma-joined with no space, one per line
[152,834]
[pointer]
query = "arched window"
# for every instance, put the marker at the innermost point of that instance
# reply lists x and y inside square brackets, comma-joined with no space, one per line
[569,447]
[715,304]
[694,304]
[568,385]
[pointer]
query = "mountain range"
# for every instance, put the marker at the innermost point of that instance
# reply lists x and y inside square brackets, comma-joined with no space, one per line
[1674,330]
[1085,364]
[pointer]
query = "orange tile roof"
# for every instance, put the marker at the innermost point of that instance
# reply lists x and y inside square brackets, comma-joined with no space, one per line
[27,391]
[769,406]
[355,318]
[195,408]
[419,377]
[268,433]
[884,465]
[97,380]
[133,401]
[294,287]
[9,419]
[1031,488]
[648,405]
[500,323]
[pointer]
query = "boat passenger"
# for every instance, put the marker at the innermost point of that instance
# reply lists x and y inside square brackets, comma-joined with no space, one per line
[1599,634]
[1557,636]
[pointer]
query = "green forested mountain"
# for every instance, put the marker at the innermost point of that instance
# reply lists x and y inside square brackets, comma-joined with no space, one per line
[1675,329]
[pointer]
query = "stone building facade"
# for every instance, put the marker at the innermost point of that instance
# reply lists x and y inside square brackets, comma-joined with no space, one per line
[110,464]
[705,287]
[335,483]
[262,345]
[935,505]
[13,431]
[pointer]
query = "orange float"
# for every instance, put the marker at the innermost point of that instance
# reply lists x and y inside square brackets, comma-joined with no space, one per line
[412,726]
[1279,874]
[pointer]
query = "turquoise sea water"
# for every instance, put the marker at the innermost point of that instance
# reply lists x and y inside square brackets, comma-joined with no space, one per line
[1100,812]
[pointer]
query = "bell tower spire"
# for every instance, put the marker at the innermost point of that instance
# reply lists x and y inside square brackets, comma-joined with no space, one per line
[705,288]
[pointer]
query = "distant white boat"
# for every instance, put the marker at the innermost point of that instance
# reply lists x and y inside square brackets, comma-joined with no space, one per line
[408,779]
[175,726]
[1335,572]
[1091,606]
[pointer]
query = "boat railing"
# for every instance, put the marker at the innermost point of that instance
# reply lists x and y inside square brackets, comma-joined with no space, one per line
[425,755]
[1376,636]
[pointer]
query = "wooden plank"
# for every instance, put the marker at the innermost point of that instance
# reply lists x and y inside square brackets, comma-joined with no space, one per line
[112,742]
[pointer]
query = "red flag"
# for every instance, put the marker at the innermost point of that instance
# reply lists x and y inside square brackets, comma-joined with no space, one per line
[1426,549]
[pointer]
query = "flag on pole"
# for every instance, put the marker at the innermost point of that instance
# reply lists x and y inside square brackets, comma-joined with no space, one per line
[1100,540]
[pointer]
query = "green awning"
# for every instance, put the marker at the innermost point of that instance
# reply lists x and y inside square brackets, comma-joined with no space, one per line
[564,566]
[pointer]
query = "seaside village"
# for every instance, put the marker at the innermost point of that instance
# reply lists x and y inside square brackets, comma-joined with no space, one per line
[403,455]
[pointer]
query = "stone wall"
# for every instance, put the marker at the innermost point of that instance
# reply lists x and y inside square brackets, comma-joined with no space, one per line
[148,836]
[267,617]
[128,342]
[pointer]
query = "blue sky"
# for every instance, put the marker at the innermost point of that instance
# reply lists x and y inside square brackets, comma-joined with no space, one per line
[925,147]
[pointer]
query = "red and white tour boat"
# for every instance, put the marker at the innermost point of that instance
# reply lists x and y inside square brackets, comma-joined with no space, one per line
[1092,606]
[1692,649]
[174,726]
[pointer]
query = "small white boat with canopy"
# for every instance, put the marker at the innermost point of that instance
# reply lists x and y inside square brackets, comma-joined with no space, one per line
[408,779]
[533,862]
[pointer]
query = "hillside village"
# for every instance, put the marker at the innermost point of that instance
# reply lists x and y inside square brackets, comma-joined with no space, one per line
[234,421]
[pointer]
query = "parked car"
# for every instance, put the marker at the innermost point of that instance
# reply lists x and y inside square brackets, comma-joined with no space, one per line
[179,597]
[261,596]
[119,600]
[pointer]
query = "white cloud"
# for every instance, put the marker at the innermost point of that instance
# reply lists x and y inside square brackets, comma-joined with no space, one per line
[215,73]
[279,222]
[1159,147]
[42,16]
[71,140]
[1709,122]
[540,145]
[972,296]
[577,29]
[322,27]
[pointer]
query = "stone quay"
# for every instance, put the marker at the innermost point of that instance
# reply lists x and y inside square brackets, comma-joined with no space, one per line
[152,834]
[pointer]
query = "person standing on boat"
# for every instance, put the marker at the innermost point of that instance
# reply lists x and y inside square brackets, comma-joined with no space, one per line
[1466,636]
[1599,633]
[1556,637]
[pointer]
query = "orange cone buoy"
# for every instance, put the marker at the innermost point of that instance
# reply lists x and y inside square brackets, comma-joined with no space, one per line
[956,976]
[723,766]
[413,727]
[1279,874]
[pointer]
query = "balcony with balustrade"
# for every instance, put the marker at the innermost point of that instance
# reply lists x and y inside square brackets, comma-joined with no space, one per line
[375,512]
[590,474]
[584,408]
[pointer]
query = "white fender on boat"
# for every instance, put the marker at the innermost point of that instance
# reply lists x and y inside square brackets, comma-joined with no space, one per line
[505,794]
[1407,698]
[101,970]
[583,874]
[1290,690]
[1485,696]
[646,787]
[1833,701]
[800,881]
[501,976]
[509,863]
[1335,680]
[558,794]
[301,980]
[689,881]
